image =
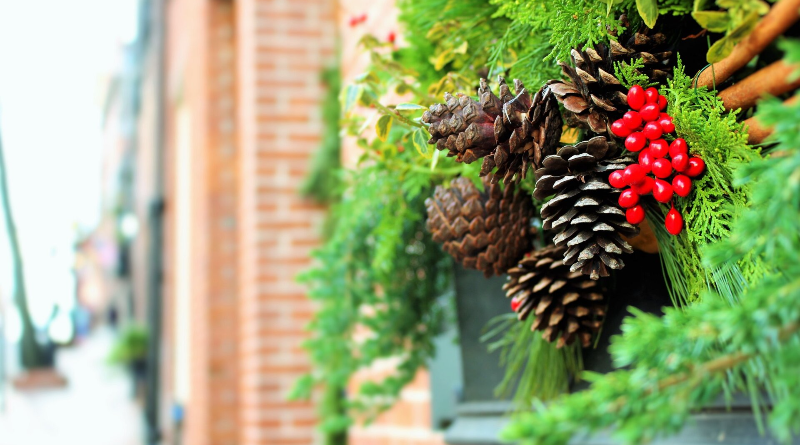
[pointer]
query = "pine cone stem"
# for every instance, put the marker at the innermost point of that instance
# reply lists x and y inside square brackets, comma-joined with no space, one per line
[771,80]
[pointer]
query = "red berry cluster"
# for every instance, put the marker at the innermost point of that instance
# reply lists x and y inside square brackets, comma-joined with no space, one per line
[643,129]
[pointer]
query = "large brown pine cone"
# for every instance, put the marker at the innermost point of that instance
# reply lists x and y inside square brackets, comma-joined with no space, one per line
[584,209]
[566,305]
[511,132]
[488,231]
[593,96]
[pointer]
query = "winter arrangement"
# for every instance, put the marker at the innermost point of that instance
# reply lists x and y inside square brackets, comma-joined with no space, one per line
[665,126]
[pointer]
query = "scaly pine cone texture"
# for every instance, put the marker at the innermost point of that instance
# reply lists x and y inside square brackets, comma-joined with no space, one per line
[510,132]
[584,209]
[487,231]
[565,305]
[594,97]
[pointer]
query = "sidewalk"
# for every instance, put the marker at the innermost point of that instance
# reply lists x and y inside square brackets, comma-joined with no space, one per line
[94,409]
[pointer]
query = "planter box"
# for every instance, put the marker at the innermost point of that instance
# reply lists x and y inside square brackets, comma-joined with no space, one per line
[480,416]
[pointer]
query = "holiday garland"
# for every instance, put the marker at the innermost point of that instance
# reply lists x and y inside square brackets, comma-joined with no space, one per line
[650,143]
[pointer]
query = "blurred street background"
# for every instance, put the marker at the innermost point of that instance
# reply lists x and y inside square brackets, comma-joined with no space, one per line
[151,225]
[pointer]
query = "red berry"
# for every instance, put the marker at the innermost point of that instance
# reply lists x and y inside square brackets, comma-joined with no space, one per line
[636,97]
[633,174]
[645,187]
[651,95]
[682,185]
[628,198]
[662,168]
[391,37]
[680,162]
[674,222]
[667,125]
[646,159]
[649,112]
[515,304]
[664,116]
[662,102]
[678,146]
[353,21]
[635,214]
[362,18]
[616,180]
[662,191]
[620,129]
[696,167]
[652,131]
[635,141]
[659,148]
[632,120]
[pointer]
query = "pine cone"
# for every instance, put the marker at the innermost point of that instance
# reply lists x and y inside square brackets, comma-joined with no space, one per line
[486,230]
[567,306]
[594,97]
[584,209]
[510,132]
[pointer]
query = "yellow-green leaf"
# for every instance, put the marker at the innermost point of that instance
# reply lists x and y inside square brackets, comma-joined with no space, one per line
[720,49]
[351,96]
[745,27]
[369,76]
[420,141]
[435,159]
[700,5]
[383,126]
[648,9]
[714,21]
[407,106]
[443,59]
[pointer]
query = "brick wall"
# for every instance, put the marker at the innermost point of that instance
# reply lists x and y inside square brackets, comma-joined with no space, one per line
[282,47]
[200,366]
[243,120]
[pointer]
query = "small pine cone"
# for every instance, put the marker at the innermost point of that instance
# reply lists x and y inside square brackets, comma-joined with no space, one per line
[487,231]
[594,97]
[584,209]
[566,305]
[511,132]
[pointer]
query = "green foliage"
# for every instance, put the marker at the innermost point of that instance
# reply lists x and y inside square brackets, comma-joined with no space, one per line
[715,136]
[322,182]
[468,39]
[568,23]
[648,10]
[534,369]
[715,346]
[379,278]
[131,346]
[549,30]
[629,75]
[736,19]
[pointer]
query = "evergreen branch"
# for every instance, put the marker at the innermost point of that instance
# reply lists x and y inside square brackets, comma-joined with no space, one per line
[713,345]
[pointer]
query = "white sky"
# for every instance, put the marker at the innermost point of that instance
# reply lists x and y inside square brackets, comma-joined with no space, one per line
[52,55]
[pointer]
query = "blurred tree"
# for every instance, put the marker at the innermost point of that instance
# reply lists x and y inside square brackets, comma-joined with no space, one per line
[33,355]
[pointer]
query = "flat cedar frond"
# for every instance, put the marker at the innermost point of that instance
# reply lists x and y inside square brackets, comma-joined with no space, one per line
[714,135]
[569,23]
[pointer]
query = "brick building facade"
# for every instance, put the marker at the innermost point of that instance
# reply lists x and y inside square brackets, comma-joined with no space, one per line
[239,104]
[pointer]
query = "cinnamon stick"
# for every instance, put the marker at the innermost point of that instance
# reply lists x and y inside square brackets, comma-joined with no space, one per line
[756,133]
[772,80]
[782,15]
